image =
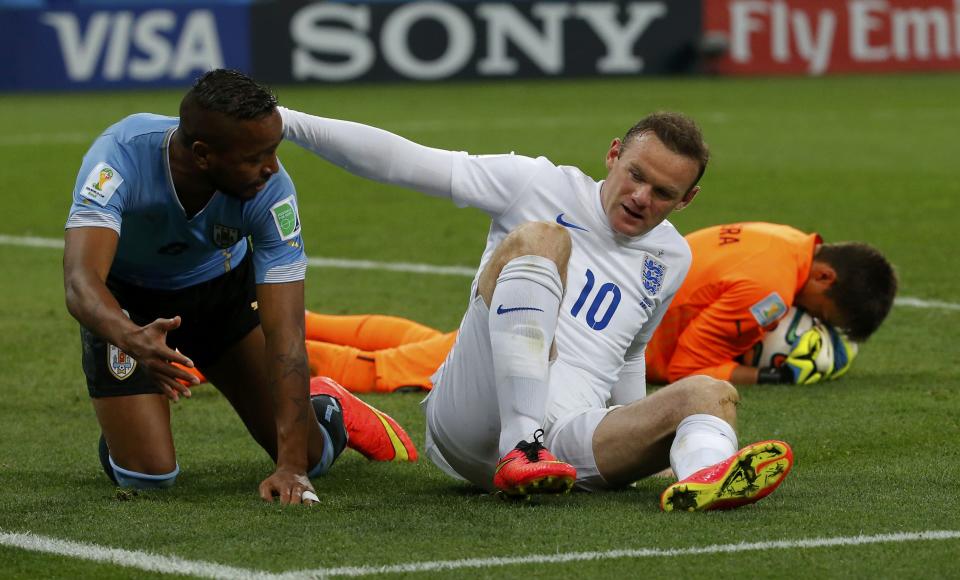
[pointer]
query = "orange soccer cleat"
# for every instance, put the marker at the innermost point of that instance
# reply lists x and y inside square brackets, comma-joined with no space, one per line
[748,476]
[371,432]
[530,468]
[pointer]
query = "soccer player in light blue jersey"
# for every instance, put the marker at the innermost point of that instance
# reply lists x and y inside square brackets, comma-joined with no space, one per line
[158,270]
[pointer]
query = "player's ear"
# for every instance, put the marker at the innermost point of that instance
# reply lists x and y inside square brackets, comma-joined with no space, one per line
[201,153]
[688,198]
[827,275]
[613,153]
[823,274]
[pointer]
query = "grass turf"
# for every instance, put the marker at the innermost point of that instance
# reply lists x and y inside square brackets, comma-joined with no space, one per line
[855,158]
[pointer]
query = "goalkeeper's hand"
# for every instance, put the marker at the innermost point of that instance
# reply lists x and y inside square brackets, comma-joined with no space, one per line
[844,351]
[802,360]
[811,359]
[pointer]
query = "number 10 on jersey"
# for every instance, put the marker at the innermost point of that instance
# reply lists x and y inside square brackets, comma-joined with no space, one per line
[609,288]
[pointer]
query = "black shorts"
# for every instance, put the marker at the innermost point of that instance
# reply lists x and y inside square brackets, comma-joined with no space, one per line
[214,314]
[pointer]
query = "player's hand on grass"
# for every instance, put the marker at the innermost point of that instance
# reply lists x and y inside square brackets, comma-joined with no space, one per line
[291,487]
[148,345]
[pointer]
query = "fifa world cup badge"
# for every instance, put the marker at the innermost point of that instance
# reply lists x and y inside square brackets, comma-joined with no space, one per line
[121,364]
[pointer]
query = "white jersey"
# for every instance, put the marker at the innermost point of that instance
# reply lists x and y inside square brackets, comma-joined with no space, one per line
[618,288]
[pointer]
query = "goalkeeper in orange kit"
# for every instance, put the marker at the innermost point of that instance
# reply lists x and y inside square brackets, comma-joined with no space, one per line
[743,280]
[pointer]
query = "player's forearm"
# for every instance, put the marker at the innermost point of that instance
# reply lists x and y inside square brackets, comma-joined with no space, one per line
[372,153]
[744,375]
[290,387]
[90,302]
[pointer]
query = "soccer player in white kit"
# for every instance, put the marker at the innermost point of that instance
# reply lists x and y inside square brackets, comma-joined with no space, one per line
[585,267]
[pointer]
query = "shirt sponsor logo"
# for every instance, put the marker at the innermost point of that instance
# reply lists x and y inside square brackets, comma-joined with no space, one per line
[286,218]
[653,273]
[225,236]
[101,183]
[769,310]
[121,364]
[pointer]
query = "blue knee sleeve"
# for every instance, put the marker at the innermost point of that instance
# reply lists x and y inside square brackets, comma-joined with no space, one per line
[326,458]
[127,478]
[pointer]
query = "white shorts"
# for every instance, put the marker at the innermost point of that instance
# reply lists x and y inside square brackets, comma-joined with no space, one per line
[463,418]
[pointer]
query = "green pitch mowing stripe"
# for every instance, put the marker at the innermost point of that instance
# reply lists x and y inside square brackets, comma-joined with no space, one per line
[412,268]
[172,565]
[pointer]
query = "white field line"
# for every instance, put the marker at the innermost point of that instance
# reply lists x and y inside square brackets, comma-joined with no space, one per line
[444,565]
[413,268]
[503,123]
[173,565]
[128,558]
[416,126]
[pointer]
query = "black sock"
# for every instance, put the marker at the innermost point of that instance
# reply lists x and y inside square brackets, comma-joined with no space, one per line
[330,415]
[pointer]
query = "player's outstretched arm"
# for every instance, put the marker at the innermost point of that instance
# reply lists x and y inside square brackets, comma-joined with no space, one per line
[87,256]
[372,153]
[281,316]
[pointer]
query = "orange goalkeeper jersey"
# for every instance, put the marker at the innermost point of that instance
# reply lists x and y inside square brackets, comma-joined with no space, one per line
[743,278]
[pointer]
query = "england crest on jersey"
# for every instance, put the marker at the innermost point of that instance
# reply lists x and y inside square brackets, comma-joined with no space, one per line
[121,364]
[653,274]
[224,236]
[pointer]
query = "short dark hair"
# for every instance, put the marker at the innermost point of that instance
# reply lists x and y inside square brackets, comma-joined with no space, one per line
[865,286]
[228,92]
[678,132]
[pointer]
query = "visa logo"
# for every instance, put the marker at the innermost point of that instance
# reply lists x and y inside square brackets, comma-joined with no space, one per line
[145,46]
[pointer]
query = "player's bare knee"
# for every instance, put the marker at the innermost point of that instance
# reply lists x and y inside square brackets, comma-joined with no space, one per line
[547,240]
[703,394]
[550,241]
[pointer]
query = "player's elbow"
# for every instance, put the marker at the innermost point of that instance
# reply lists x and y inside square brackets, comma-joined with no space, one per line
[73,293]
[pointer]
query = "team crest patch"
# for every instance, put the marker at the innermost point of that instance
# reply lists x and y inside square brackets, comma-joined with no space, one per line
[101,183]
[286,218]
[121,364]
[224,236]
[769,310]
[653,273]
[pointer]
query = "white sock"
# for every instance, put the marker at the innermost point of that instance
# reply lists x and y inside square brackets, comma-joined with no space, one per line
[523,320]
[701,441]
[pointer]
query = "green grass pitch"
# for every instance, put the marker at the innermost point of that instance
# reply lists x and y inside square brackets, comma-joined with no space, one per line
[856,158]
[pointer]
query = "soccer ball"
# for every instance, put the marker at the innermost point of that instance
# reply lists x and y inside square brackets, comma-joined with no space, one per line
[830,352]
[779,342]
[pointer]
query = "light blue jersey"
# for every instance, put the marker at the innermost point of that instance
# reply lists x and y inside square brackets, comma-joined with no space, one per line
[125,184]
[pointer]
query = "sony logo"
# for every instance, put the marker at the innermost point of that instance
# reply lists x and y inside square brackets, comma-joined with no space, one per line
[333,41]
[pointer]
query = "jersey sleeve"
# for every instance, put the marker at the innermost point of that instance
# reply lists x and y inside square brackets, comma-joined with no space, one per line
[372,153]
[631,384]
[278,254]
[492,183]
[104,181]
[721,332]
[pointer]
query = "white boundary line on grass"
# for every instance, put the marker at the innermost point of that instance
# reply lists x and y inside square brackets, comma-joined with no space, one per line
[413,268]
[445,565]
[173,565]
[128,558]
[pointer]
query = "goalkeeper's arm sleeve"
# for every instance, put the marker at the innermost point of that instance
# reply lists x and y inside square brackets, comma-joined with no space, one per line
[372,153]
